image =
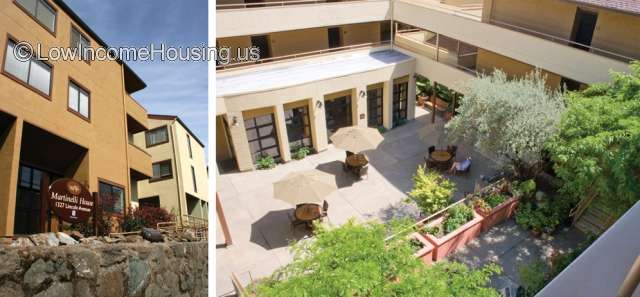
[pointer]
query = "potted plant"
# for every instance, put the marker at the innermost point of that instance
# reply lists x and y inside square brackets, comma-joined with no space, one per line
[495,208]
[266,162]
[301,152]
[452,230]
[423,89]
[423,248]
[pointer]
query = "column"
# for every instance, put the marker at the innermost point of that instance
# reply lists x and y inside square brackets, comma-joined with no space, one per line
[411,100]
[9,167]
[361,114]
[239,139]
[387,105]
[281,130]
[318,123]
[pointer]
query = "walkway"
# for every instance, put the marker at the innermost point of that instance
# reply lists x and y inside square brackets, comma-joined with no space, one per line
[260,225]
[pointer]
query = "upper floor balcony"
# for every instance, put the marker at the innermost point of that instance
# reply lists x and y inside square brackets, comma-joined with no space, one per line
[267,17]
[573,63]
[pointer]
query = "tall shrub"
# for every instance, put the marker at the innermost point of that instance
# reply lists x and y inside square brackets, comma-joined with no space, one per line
[431,191]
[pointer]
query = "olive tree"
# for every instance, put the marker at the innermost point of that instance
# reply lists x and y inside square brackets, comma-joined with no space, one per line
[509,120]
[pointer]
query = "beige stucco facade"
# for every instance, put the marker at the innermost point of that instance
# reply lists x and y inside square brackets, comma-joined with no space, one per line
[37,129]
[291,42]
[183,194]
[241,107]
[615,31]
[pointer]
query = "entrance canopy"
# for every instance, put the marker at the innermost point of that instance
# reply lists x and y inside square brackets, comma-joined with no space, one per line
[282,75]
[48,151]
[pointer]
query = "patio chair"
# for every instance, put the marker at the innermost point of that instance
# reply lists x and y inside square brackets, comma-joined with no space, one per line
[431,150]
[461,167]
[452,149]
[325,208]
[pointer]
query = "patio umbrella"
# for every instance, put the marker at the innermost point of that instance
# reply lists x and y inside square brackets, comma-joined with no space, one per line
[357,139]
[310,186]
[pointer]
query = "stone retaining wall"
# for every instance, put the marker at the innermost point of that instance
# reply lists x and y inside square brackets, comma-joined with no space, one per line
[105,270]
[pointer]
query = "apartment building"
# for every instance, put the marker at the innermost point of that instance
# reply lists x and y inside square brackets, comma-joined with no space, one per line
[288,98]
[58,119]
[179,182]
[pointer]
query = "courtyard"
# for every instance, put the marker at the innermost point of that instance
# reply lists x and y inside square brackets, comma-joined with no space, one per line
[261,228]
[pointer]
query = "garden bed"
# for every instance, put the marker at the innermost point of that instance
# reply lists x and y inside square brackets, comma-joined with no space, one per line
[424,248]
[446,244]
[497,214]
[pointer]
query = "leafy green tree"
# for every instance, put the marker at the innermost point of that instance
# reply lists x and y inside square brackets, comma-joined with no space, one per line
[508,120]
[597,150]
[355,260]
[431,191]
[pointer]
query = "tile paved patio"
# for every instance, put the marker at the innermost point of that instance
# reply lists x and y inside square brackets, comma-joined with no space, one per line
[260,225]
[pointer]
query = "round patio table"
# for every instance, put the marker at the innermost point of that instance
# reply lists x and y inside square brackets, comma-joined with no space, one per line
[441,156]
[357,160]
[308,212]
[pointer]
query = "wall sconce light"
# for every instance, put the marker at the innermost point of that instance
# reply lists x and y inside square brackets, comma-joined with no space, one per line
[319,104]
[362,93]
[234,121]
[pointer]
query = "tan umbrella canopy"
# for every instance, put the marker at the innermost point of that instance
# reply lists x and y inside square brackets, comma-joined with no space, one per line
[310,186]
[357,139]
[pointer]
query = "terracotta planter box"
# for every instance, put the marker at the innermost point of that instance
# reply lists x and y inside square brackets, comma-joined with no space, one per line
[449,243]
[498,214]
[425,253]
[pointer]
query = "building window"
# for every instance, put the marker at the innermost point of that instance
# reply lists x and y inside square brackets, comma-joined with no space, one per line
[400,95]
[193,177]
[261,134]
[153,201]
[162,170]
[80,42]
[111,197]
[40,10]
[189,146]
[157,136]
[33,73]
[298,127]
[78,100]
[374,107]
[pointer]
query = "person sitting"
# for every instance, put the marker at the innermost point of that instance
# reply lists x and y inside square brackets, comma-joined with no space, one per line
[461,166]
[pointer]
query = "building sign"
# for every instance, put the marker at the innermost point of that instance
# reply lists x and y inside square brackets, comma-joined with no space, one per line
[70,200]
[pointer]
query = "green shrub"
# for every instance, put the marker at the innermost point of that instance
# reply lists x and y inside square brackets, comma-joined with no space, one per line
[266,162]
[525,189]
[456,216]
[382,129]
[532,277]
[301,152]
[431,191]
[544,218]
[495,199]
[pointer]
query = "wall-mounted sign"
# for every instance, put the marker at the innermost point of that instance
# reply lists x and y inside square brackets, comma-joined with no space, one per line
[70,200]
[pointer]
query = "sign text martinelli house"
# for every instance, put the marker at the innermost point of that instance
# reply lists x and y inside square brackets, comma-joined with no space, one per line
[70,200]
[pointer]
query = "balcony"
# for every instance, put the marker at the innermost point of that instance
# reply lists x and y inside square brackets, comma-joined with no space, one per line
[267,17]
[573,63]
[139,162]
[136,116]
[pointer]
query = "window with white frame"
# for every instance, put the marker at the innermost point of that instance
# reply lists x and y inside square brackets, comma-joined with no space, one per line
[78,100]
[36,74]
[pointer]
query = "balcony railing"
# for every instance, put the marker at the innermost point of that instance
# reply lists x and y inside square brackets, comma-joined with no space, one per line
[221,68]
[279,3]
[440,48]
[550,37]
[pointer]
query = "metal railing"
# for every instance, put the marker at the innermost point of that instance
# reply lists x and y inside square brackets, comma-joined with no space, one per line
[556,39]
[221,68]
[282,3]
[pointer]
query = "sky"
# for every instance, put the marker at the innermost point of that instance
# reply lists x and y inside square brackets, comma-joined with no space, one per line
[173,88]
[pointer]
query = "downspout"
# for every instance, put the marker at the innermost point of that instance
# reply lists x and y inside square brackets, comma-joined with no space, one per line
[126,143]
[175,165]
